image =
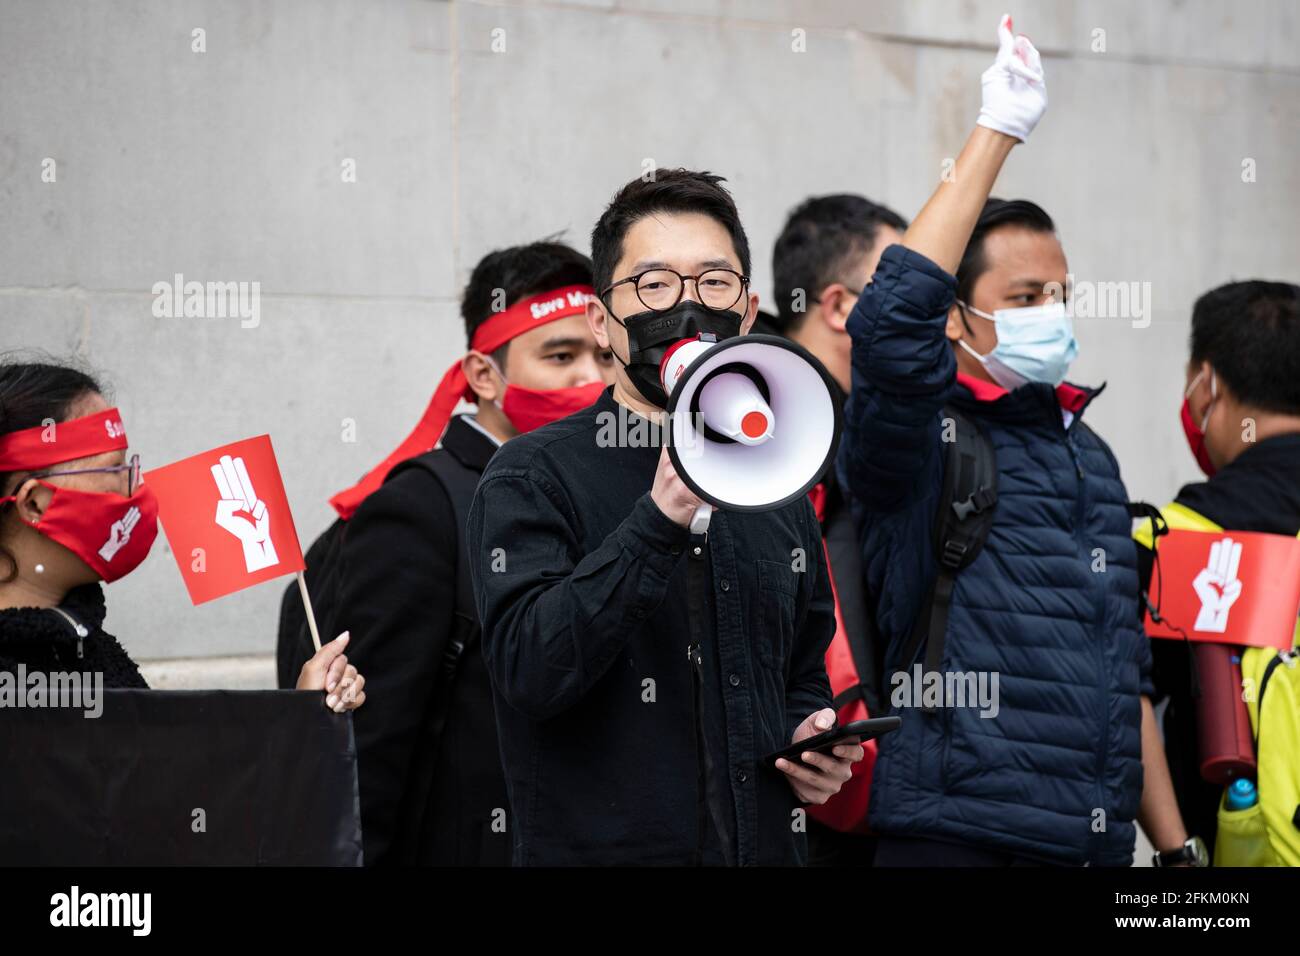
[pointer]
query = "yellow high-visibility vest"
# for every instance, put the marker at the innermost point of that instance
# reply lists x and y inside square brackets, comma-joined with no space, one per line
[1267,834]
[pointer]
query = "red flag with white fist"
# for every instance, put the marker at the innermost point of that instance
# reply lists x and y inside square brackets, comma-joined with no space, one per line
[1227,587]
[227,518]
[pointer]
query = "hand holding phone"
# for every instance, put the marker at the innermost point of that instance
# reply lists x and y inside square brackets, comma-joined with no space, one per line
[852,733]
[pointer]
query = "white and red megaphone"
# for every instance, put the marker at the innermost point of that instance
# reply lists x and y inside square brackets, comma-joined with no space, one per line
[753,421]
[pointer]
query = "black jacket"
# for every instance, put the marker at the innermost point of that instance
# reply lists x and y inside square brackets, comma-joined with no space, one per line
[398,600]
[44,640]
[581,584]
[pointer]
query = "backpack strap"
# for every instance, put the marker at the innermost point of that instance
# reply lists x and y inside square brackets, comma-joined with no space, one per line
[961,526]
[1279,658]
[459,482]
[844,555]
[1263,686]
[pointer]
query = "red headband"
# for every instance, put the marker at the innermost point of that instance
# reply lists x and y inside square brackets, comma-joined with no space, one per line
[523,316]
[40,446]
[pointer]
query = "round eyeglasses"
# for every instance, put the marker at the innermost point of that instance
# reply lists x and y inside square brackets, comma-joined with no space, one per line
[661,289]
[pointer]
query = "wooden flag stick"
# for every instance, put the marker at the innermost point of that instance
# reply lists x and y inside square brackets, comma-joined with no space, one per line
[311,615]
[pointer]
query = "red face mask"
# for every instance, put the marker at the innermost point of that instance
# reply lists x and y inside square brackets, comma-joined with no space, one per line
[530,408]
[1196,433]
[111,533]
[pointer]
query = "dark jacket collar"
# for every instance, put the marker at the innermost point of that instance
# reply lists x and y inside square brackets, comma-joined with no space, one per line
[1280,451]
[23,624]
[1035,402]
[1259,490]
[606,402]
[467,444]
[43,639]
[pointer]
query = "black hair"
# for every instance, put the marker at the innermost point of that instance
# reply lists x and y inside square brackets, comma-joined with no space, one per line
[667,190]
[32,393]
[822,240]
[519,272]
[996,214]
[1250,333]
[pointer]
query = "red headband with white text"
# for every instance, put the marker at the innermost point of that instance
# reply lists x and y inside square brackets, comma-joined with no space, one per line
[524,316]
[40,446]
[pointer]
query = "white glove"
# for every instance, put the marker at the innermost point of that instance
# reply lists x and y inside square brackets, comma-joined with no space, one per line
[1015,93]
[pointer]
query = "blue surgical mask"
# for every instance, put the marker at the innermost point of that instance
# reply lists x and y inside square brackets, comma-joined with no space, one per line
[1035,344]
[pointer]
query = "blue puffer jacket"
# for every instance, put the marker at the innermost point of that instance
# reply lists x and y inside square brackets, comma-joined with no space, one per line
[1049,605]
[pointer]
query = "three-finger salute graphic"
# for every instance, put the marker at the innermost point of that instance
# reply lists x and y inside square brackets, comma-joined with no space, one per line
[1217,586]
[1253,575]
[243,514]
[120,533]
[227,518]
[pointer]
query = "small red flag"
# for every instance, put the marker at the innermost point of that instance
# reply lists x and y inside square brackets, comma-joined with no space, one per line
[1227,587]
[227,518]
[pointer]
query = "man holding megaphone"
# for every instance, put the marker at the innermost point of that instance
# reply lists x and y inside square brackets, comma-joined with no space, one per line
[647,651]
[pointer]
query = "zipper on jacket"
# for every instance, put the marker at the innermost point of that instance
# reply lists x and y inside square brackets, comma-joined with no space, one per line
[1103,688]
[1074,456]
[77,628]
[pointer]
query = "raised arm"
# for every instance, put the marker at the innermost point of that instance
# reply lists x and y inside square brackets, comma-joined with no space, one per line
[903,366]
[1014,98]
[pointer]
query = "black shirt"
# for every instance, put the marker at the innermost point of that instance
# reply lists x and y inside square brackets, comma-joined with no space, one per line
[581,588]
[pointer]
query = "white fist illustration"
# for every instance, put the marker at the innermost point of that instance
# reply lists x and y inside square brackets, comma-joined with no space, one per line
[1217,586]
[243,514]
[120,533]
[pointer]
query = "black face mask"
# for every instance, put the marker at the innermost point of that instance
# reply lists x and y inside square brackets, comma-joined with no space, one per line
[650,334]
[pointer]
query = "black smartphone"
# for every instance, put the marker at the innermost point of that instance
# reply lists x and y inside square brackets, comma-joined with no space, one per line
[820,743]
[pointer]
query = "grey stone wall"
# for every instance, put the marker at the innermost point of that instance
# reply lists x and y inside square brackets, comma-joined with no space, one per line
[476,125]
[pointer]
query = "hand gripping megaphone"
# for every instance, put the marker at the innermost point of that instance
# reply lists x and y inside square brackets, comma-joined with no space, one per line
[753,421]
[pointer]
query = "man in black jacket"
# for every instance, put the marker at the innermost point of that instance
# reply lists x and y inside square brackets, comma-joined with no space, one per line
[431,785]
[632,731]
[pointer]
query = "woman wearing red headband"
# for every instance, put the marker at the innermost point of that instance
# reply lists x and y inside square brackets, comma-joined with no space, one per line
[73,513]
